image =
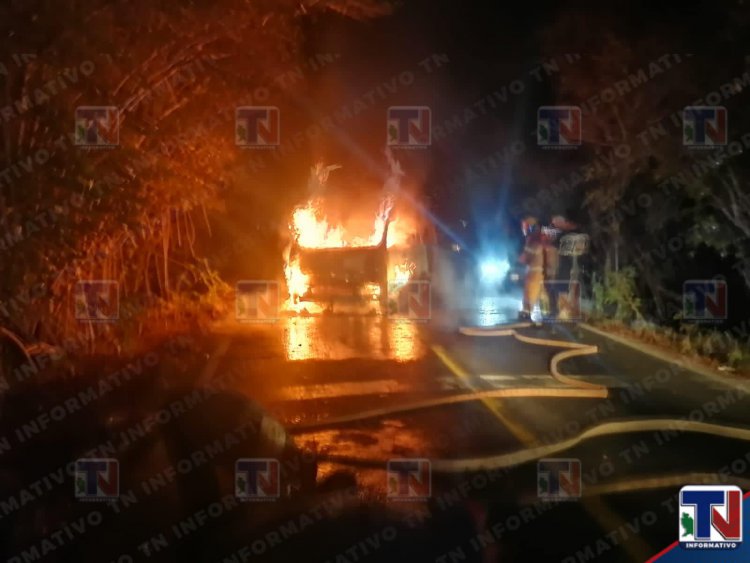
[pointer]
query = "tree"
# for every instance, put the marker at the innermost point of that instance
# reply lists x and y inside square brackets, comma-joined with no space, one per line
[651,202]
[133,213]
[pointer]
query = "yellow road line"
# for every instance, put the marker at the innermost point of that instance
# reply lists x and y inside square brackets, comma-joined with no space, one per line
[636,547]
[523,435]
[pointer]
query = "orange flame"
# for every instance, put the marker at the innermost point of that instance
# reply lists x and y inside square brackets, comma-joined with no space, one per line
[297,282]
[402,273]
[311,228]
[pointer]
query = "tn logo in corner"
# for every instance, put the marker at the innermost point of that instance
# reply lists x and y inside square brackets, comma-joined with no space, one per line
[710,517]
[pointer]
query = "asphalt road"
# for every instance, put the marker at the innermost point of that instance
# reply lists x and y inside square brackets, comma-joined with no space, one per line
[305,370]
[487,501]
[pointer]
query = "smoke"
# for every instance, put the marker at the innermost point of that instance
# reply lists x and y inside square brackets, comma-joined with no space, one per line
[391,187]
[319,174]
[451,281]
[392,184]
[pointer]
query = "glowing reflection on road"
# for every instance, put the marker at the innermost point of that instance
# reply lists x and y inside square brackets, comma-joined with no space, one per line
[389,438]
[298,339]
[497,310]
[489,313]
[339,338]
[403,341]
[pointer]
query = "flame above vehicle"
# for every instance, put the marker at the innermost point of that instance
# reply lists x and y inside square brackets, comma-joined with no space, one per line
[311,228]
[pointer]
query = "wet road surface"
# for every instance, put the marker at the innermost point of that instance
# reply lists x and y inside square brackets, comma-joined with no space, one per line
[316,368]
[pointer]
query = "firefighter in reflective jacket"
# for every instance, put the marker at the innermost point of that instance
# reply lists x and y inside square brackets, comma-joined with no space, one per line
[552,286]
[533,258]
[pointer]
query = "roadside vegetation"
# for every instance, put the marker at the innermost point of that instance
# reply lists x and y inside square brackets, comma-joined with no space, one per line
[617,308]
[659,213]
[144,212]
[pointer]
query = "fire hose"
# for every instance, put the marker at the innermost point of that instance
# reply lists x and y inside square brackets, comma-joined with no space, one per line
[519,457]
[575,349]
[577,389]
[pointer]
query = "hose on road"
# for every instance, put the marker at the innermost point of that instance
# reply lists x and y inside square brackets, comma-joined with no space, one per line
[661,482]
[519,457]
[574,349]
[578,389]
[440,401]
[604,429]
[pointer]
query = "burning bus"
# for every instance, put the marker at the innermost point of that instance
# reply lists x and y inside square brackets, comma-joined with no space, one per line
[329,267]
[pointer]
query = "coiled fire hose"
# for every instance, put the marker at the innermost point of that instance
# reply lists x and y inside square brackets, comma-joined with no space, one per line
[577,389]
[575,349]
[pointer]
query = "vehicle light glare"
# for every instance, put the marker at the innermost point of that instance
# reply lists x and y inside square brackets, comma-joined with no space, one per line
[494,270]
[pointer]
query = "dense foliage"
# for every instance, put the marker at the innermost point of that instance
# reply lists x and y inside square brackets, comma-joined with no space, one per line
[135,213]
[666,211]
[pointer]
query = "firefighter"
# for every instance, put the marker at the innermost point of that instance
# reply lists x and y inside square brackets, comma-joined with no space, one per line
[553,287]
[566,272]
[533,258]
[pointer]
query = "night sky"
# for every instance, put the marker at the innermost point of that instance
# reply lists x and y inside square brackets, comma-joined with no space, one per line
[488,46]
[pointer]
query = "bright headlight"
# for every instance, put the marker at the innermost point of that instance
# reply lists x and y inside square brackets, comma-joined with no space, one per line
[494,270]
